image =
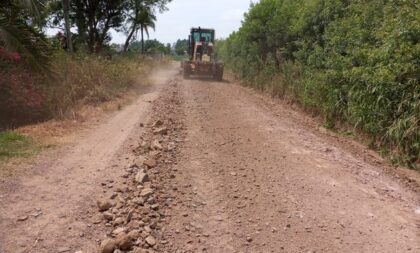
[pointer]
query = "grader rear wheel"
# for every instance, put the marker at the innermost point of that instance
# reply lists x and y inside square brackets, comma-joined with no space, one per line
[218,75]
[186,72]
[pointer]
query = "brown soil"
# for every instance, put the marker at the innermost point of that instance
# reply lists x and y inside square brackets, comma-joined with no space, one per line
[58,191]
[247,174]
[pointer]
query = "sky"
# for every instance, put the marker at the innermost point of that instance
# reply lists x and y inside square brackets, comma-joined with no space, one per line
[224,16]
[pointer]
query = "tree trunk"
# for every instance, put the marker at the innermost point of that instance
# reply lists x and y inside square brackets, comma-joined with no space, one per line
[66,7]
[91,34]
[92,29]
[101,39]
[142,39]
[127,41]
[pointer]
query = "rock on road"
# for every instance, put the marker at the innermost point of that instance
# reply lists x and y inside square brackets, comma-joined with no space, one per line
[251,175]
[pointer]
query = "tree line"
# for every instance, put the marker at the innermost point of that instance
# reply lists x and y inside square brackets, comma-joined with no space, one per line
[85,24]
[40,77]
[355,62]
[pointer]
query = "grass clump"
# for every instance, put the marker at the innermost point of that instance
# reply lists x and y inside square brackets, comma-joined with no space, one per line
[13,144]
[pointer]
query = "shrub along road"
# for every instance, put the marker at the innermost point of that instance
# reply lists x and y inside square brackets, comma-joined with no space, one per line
[215,168]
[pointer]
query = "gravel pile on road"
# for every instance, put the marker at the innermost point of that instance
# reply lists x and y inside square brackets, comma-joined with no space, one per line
[135,212]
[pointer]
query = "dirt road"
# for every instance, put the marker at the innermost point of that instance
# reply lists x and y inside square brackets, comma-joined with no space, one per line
[230,171]
[55,197]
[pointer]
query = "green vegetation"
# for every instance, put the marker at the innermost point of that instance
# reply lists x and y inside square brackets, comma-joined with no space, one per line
[94,20]
[142,17]
[20,33]
[181,47]
[150,47]
[355,62]
[13,144]
[42,77]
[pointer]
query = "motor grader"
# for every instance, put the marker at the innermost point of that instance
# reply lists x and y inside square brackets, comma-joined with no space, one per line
[201,60]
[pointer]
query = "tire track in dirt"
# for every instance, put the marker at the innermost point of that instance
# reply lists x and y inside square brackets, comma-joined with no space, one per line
[251,181]
[209,167]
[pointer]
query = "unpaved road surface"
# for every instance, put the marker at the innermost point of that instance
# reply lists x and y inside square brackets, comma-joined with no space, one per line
[57,194]
[228,170]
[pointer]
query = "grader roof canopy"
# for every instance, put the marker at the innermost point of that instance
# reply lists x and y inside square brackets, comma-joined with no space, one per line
[202,34]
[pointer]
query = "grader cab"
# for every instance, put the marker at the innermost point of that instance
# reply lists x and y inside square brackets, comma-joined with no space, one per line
[201,60]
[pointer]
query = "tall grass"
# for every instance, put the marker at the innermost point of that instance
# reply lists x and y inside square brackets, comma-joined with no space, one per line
[90,79]
[73,81]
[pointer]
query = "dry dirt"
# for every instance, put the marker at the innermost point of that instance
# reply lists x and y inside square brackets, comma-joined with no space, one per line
[203,166]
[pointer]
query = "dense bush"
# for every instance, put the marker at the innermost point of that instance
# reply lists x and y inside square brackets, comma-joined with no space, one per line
[352,61]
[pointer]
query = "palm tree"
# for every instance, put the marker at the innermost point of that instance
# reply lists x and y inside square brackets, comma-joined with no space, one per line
[147,19]
[20,31]
[142,18]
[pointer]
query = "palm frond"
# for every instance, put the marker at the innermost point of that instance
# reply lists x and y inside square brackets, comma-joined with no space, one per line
[17,34]
[33,7]
[26,40]
[146,30]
